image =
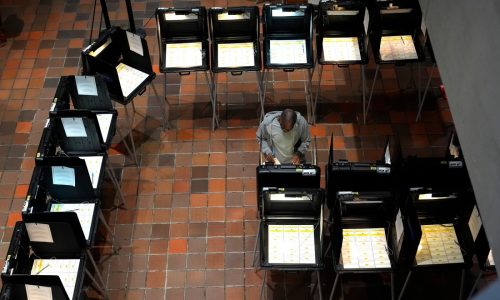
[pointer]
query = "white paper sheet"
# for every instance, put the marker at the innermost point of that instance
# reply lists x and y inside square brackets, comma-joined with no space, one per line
[85,85]
[38,292]
[398,47]
[475,223]
[94,164]
[104,121]
[341,49]
[284,197]
[73,127]
[183,55]
[438,245]
[491,261]
[366,20]
[364,248]
[66,269]
[283,52]
[291,244]
[38,232]
[234,55]
[130,78]
[399,226]
[63,175]
[134,43]
[84,212]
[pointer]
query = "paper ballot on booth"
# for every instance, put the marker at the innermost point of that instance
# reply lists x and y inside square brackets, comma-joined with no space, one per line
[85,85]
[73,127]
[63,175]
[234,55]
[104,121]
[135,43]
[66,269]
[438,245]
[39,232]
[364,248]
[93,164]
[341,49]
[183,55]
[84,212]
[283,52]
[291,244]
[130,78]
[400,47]
[38,292]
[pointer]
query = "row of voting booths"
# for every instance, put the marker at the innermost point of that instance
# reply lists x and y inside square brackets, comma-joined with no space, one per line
[394,216]
[50,252]
[229,40]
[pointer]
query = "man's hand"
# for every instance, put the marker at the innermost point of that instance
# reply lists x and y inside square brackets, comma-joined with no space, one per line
[269,157]
[296,159]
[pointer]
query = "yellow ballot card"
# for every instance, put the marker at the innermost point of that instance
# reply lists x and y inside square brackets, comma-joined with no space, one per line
[183,55]
[364,248]
[341,49]
[66,269]
[291,244]
[284,52]
[130,78]
[438,245]
[84,212]
[234,55]
[399,47]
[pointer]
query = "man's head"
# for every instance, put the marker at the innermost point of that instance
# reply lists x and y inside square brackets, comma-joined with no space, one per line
[287,119]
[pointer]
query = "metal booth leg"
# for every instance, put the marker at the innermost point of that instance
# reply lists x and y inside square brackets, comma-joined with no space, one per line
[462,280]
[99,288]
[367,108]
[264,279]
[164,108]
[127,147]
[212,88]
[115,182]
[404,286]
[309,98]
[255,247]
[422,100]
[334,286]
[114,241]
[263,81]
[131,134]
[259,95]
[474,286]
[97,272]
[318,88]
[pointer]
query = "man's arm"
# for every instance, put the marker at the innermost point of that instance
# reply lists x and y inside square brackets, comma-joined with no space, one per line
[304,136]
[262,139]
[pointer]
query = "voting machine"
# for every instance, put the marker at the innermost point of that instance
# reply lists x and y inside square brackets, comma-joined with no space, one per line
[122,58]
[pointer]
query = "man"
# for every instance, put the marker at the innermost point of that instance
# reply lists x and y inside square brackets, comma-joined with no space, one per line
[284,137]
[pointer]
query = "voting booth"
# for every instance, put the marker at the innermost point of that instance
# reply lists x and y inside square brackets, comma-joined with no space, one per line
[235,46]
[291,231]
[287,45]
[394,36]
[342,38]
[79,133]
[54,270]
[183,43]
[367,227]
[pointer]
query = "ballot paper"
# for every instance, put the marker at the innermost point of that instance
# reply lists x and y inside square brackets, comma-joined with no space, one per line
[38,292]
[399,47]
[130,78]
[475,223]
[283,52]
[135,43]
[39,232]
[73,127]
[84,212]
[341,49]
[183,55]
[104,121]
[364,248]
[291,244]
[85,85]
[234,55]
[66,269]
[93,164]
[62,175]
[438,245]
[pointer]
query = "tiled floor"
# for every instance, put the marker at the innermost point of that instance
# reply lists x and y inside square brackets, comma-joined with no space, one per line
[189,226]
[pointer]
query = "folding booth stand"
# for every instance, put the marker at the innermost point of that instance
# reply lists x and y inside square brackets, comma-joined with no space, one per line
[394,28]
[235,45]
[183,43]
[288,37]
[342,39]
